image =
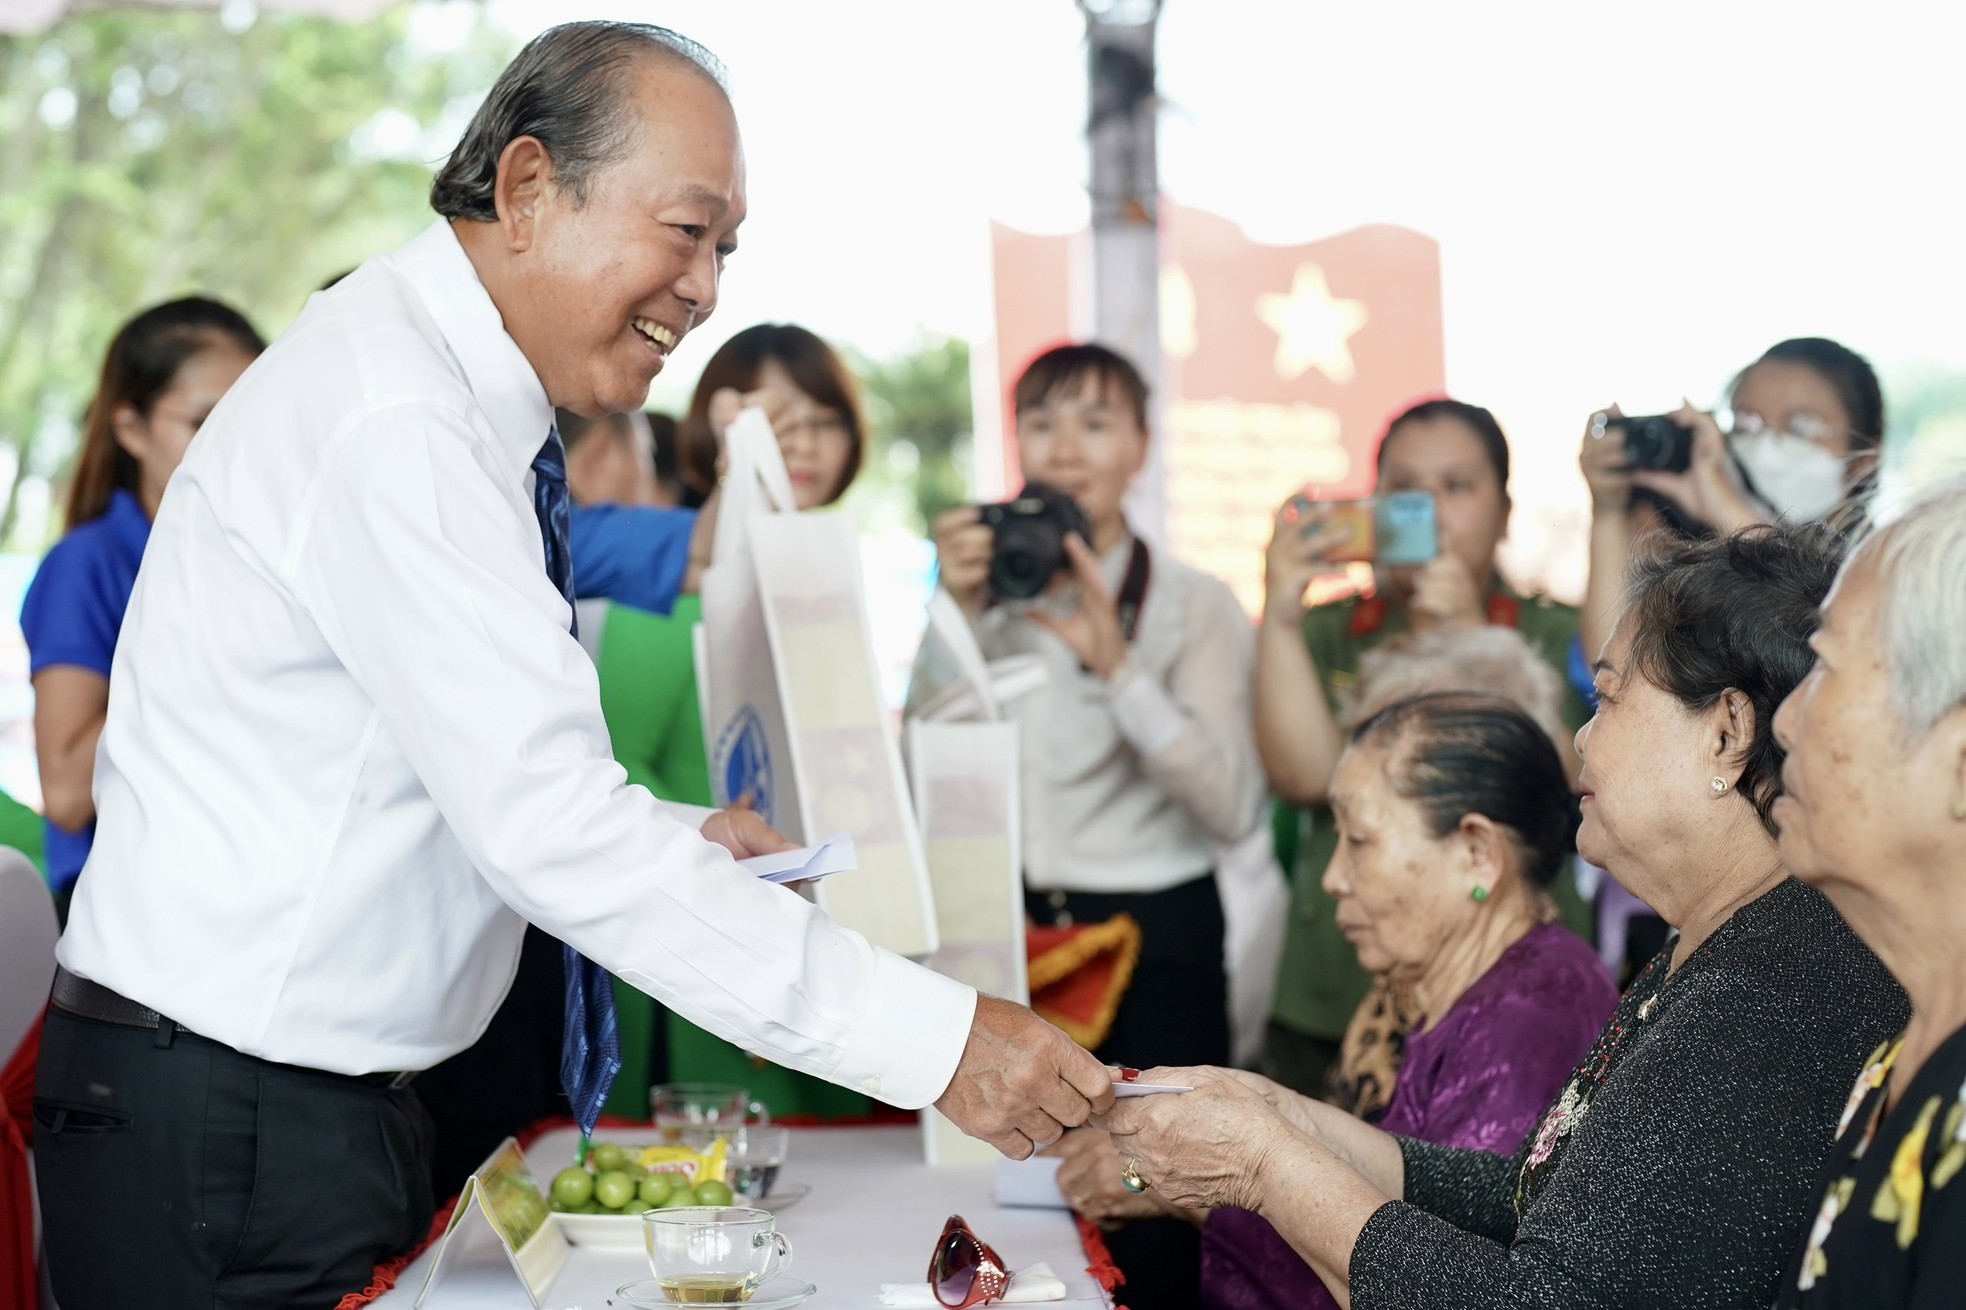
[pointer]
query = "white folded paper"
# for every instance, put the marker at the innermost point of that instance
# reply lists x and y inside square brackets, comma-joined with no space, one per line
[1027,1287]
[834,855]
[1148,1089]
[1030,1183]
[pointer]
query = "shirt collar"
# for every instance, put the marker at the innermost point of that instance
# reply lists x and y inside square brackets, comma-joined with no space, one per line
[126,520]
[500,376]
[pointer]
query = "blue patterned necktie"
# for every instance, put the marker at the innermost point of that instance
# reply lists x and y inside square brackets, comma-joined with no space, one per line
[590,1053]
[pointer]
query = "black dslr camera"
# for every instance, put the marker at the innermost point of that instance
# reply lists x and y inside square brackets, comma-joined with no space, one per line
[1657,443]
[1030,546]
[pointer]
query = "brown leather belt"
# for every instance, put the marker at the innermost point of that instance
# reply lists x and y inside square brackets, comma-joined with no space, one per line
[78,996]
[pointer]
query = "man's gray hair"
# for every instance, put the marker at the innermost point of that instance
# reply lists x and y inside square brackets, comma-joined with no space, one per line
[1919,558]
[566,88]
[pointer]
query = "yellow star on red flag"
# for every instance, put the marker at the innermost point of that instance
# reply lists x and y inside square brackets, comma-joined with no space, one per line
[1313,329]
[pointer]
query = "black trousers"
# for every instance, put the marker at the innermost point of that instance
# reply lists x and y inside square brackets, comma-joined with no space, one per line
[508,1080]
[1175,1011]
[175,1172]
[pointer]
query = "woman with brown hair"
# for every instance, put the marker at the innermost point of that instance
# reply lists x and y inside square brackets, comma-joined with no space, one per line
[805,390]
[164,372]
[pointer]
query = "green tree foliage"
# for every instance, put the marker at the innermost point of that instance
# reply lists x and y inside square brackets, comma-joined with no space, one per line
[918,406]
[150,155]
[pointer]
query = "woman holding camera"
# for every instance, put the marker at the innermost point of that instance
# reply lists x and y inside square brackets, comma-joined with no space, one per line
[1138,761]
[1802,443]
[1457,453]
[1138,758]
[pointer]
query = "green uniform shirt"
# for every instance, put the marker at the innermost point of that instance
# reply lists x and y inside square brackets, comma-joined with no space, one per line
[1320,983]
[647,668]
[24,830]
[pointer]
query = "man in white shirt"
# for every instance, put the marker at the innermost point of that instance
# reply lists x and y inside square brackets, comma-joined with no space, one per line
[352,748]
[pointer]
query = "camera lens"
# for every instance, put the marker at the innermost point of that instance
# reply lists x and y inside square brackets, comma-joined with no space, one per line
[1658,443]
[1022,566]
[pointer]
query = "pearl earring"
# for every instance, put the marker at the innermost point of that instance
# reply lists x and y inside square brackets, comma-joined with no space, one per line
[1719,786]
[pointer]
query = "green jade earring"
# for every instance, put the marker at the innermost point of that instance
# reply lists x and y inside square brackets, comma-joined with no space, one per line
[1479,894]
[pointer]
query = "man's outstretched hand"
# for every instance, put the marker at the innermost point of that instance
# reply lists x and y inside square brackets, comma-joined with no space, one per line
[1021,1082]
[743,832]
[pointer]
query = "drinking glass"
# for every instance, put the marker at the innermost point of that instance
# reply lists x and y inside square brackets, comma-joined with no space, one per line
[720,1106]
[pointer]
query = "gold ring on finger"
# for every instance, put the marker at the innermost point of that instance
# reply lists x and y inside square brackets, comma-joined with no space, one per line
[1130,1177]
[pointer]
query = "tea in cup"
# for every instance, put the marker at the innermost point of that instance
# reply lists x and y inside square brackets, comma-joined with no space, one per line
[713,1255]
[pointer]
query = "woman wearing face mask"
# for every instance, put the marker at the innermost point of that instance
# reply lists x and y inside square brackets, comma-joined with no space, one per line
[164,371]
[1305,660]
[1802,443]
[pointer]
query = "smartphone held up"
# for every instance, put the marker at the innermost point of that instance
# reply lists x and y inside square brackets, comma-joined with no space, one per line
[1399,529]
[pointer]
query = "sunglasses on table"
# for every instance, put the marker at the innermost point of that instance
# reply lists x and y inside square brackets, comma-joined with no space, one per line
[965,1272]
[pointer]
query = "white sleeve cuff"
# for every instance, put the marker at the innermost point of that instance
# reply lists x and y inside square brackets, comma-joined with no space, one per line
[692,817]
[1147,716]
[906,1047]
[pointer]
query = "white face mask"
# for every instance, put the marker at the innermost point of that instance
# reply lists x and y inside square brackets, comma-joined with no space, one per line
[1796,478]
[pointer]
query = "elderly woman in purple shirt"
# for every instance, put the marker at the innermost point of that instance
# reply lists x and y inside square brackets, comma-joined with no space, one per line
[1454,816]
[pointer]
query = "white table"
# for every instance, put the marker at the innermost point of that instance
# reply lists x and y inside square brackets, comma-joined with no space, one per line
[873,1217]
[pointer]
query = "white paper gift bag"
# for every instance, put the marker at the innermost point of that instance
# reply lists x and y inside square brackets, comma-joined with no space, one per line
[964,764]
[792,712]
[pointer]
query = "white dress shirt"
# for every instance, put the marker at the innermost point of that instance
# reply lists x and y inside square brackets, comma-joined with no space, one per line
[351,746]
[1133,784]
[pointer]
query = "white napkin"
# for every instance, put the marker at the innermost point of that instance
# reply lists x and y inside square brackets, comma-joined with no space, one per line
[1027,1286]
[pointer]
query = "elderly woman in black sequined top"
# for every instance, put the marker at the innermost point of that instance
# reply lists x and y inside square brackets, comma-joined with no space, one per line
[1678,1165]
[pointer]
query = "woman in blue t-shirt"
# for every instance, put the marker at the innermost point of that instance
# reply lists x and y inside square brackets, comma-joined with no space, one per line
[165,370]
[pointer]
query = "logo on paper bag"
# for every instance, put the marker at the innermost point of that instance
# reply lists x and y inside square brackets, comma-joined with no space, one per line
[743,763]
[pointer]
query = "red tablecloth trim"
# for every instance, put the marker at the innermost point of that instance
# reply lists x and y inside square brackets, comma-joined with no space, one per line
[1099,1261]
[389,1271]
[385,1275]
[18,1275]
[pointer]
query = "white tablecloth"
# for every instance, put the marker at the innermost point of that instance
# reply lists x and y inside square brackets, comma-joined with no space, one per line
[873,1217]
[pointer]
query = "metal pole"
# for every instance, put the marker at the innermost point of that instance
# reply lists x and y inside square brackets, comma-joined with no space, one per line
[1125,193]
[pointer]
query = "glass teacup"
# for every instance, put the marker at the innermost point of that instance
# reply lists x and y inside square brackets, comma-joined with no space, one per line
[713,1255]
[722,1107]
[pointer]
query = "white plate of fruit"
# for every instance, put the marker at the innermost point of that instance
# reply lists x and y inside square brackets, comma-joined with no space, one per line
[600,1201]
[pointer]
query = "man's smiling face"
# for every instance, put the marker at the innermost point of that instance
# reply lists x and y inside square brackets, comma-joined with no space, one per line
[609,287]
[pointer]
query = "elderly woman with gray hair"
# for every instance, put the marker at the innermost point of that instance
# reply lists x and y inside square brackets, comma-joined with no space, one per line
[1678,1165]
[1873,812]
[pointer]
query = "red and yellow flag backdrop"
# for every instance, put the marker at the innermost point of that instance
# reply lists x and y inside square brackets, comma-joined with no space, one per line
[1280,366]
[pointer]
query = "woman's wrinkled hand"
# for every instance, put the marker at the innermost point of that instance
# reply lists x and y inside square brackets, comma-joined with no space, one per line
[1200,1149]
[1089,1180]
